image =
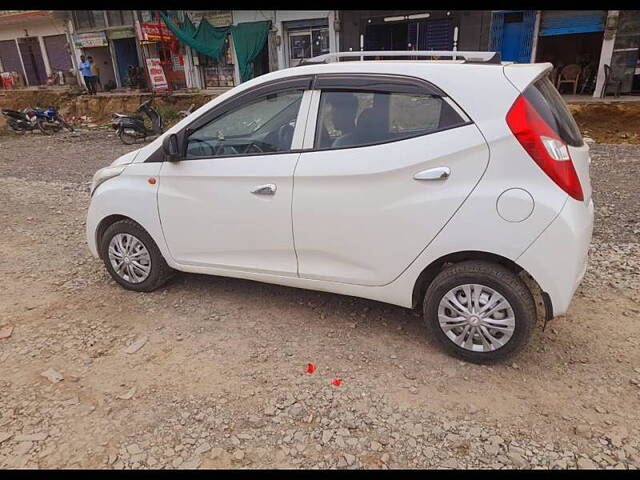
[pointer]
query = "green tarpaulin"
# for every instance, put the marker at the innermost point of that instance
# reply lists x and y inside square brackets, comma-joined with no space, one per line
[249,39]
[187,26]
[207,40]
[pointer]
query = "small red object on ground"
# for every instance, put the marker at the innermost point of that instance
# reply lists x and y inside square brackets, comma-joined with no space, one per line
[336,382]
[311,368]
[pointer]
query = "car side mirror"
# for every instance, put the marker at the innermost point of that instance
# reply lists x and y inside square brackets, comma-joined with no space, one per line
[171,148]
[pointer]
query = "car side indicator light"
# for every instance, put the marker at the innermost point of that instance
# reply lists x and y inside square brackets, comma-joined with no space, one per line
[152,181]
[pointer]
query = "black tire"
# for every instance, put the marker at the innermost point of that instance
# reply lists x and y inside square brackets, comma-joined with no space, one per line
[496,277]
[160,271]
[126,138]
[46,128]
[64,123]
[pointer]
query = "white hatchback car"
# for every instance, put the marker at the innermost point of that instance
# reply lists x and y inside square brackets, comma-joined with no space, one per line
[460,186]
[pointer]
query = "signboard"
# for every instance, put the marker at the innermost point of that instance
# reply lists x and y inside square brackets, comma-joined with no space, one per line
[156,75]
[154,32]
[91,39]
[121,33]
[217,18]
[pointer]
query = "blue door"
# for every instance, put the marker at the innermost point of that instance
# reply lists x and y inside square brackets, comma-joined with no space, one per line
[126,54]
[511,39]
[512,34]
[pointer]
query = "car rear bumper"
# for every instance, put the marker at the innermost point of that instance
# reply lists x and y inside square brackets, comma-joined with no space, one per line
[558,258]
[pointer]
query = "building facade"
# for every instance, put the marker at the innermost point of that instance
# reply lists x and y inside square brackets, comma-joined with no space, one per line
[109,36]
[413,30]
[34,45]
[591,39]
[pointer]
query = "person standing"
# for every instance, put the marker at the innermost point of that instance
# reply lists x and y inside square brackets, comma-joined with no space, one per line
[95,74]
[85,68]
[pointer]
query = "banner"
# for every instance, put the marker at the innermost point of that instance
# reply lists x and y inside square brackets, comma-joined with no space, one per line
[92,39]
[154,32]
[156,75]
[121,33]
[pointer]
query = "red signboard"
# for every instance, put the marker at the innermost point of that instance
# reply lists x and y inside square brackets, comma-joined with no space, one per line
[155,32]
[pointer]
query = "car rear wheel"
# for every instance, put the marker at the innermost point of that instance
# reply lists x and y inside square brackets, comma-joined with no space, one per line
[132,257]
[479,311]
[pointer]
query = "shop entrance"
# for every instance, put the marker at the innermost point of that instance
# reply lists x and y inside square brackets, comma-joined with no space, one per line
[126,56]
[572,41]
[102,57]
[32,60]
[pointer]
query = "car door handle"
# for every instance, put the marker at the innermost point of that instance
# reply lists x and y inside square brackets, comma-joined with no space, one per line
[268,189]
[438,173]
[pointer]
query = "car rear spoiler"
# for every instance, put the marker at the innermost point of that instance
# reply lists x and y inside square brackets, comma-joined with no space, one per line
[521,75]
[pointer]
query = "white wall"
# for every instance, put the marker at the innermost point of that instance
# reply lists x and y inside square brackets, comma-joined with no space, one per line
[38,27]
[277,17]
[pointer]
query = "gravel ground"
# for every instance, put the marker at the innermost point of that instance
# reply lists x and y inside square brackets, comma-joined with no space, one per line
[210,372]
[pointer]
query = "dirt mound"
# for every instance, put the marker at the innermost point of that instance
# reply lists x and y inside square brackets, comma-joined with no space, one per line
[99,108]
[609,122]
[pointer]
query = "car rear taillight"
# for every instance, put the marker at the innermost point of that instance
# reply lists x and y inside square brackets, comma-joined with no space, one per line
[544,146]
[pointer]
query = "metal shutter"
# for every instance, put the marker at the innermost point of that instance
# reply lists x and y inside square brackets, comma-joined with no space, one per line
[10,57]
[376,37]
[497,23]
[56,46]
[528,25]
[566,22]
[435,35]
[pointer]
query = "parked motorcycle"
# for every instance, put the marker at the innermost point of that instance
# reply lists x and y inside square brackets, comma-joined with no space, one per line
[50,121]
[21,122]
[131,128]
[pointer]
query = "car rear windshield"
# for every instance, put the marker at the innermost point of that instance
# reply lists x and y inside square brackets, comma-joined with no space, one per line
[544,97]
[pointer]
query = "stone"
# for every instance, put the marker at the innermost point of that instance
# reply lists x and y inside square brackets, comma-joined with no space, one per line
[350,459]
[52,375]
[134,449]
[450,463]
[326,436]
[137,345]
[586,464]
[5,331]
[238,455]
[517,459]
[215,453]
[4,436]
[203,448]
[193,463]
[128,395]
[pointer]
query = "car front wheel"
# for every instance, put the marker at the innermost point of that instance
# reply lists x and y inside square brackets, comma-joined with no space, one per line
[132,257]
[479,311]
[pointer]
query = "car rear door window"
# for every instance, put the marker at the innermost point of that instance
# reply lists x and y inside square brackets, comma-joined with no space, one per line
[357,118]
[549,104]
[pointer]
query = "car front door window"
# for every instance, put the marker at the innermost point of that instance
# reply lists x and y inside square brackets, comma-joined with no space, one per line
[265,125]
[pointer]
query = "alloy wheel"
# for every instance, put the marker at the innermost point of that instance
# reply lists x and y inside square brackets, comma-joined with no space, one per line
[476,317]
[129,258]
